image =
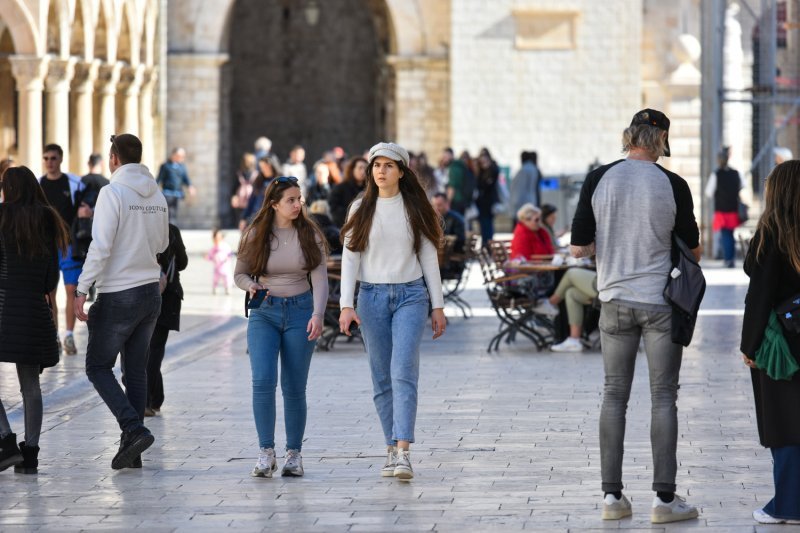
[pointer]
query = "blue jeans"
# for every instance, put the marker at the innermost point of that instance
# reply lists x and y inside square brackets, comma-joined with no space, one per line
[278,327]
[393,317]
[786,471]
[122,323]
[728,245]
[621,327]
[486,222]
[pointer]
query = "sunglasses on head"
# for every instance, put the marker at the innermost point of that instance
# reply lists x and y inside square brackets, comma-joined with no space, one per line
[286,179]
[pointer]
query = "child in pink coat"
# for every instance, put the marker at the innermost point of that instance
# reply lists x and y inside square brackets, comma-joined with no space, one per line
[220,254]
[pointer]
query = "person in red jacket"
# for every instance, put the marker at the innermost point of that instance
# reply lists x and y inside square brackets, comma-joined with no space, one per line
[530,237]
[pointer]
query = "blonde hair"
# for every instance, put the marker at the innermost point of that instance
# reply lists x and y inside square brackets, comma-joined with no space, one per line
[645,137]
[320,207]
[526,210]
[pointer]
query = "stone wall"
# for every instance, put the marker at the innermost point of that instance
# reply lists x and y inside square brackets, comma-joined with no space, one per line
[568,104]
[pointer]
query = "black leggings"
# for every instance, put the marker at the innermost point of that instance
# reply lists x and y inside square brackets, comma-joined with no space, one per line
[32,402]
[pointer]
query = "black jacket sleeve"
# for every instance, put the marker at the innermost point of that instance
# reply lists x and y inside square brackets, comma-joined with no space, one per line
[685,223]
[761,294]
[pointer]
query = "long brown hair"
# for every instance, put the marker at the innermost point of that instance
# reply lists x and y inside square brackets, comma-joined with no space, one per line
[423,219]
[255,245]
[780,221]
[27,217]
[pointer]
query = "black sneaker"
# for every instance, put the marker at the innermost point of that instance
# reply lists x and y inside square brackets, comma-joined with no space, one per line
[131,447]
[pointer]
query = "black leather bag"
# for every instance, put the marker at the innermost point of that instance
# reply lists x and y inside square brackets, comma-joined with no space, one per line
[686,286]
[788,313]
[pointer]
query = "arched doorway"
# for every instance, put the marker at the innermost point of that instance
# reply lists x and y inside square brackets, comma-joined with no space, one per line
[8,95]
[305,72]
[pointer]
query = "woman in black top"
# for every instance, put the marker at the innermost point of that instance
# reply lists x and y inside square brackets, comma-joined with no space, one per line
[31,232]
[355,176]
[488,174]
[773,264]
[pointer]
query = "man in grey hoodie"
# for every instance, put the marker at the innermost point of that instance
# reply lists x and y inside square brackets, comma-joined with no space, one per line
[130,229]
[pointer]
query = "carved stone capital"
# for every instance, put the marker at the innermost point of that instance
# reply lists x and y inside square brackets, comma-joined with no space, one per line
[108,78]
[131,79]
[59,75]
[85,76]
[29,72]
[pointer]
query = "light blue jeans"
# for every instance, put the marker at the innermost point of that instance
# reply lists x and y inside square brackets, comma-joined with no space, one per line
[621,327]
[393,317]
[278,328]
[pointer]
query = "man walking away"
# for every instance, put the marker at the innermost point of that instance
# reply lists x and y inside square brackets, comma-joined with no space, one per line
[633,263]
[130,229]
[173,177]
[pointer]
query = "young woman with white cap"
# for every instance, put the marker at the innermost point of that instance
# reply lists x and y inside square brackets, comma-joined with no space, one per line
[390,245]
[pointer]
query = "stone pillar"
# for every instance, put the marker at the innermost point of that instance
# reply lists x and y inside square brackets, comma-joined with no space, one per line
[29,73]
[56,89]
[423,102]
[82,130]
[194,123]
[146,131]
[106,87]
[130,82]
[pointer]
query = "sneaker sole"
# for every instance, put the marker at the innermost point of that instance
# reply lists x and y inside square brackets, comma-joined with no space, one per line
[404,475]
[667,518]
[387,473]
[287,473]
[616,515]
[265,474]
[127,458]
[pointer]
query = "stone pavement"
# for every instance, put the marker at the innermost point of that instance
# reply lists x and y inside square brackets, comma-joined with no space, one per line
[505,441]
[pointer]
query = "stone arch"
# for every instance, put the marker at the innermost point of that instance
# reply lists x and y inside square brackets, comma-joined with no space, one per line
[102,45]
[125,38]
[8,111]
[149,29]
[80,39]
[21,27]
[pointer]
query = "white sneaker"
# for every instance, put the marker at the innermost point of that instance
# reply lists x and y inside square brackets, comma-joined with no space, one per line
[570,344]
[266,463]
[391,462]
[614,509]
[294,464]
[544,307]
[761,516]
[673,511]
[403,470]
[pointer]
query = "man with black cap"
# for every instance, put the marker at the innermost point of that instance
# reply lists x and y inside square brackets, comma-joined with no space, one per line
[626,215]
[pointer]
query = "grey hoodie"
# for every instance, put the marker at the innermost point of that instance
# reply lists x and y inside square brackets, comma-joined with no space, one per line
[130,227]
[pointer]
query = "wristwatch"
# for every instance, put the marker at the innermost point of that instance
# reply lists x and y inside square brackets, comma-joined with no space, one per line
[78,293]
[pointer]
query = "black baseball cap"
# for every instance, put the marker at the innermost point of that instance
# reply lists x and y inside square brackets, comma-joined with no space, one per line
[651,117]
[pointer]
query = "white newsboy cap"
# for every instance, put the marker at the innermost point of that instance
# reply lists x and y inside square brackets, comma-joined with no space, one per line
[391,150]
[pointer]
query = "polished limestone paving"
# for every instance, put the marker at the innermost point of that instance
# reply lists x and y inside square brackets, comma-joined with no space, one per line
[505,441]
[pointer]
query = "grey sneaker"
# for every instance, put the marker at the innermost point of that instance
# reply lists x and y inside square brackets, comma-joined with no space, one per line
[674,511]
[761,516]
[403,470]
[266,463]
[293,465]
[69,345]
[391,462]
[614,509]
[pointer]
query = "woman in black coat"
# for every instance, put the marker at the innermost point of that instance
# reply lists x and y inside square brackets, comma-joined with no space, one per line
[31,232]
[773,264]
[343,194]
[173,260]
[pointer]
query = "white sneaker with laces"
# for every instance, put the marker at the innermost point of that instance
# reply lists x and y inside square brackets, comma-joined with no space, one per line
[673,511]
[391,462]
[614,509]
[570,344]
[403,470]
[266,463]
[762,517]
[544,307]
[294,464]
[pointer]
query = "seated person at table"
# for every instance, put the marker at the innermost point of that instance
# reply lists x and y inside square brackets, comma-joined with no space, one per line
[578,287]
[549,216]
[319,212]
[453,221]
[530,238]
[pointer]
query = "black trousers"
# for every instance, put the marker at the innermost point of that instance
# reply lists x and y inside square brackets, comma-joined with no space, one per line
[155,383]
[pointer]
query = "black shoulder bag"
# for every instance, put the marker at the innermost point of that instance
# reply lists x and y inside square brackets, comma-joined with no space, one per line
[686,286]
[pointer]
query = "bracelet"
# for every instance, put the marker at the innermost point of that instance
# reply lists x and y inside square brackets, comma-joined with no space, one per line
[78,293]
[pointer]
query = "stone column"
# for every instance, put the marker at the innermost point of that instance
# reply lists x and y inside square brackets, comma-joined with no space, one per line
[422,102]
[56,90]
[106,87]
[194,123]
[130,82]
[82,130]
[29,73]
[146,132]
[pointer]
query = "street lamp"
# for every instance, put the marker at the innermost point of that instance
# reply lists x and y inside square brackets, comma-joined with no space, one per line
[312,12]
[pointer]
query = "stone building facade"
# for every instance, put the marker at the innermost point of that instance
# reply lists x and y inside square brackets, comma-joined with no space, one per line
[74,72]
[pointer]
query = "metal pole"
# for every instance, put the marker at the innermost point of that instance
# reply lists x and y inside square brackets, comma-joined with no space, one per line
[767,37]
[713,36]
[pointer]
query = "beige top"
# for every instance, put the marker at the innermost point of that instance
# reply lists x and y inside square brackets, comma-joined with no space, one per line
[285,275]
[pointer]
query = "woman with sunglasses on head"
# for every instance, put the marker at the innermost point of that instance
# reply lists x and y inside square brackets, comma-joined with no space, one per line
[31,232]
[277,252]
[390,244]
